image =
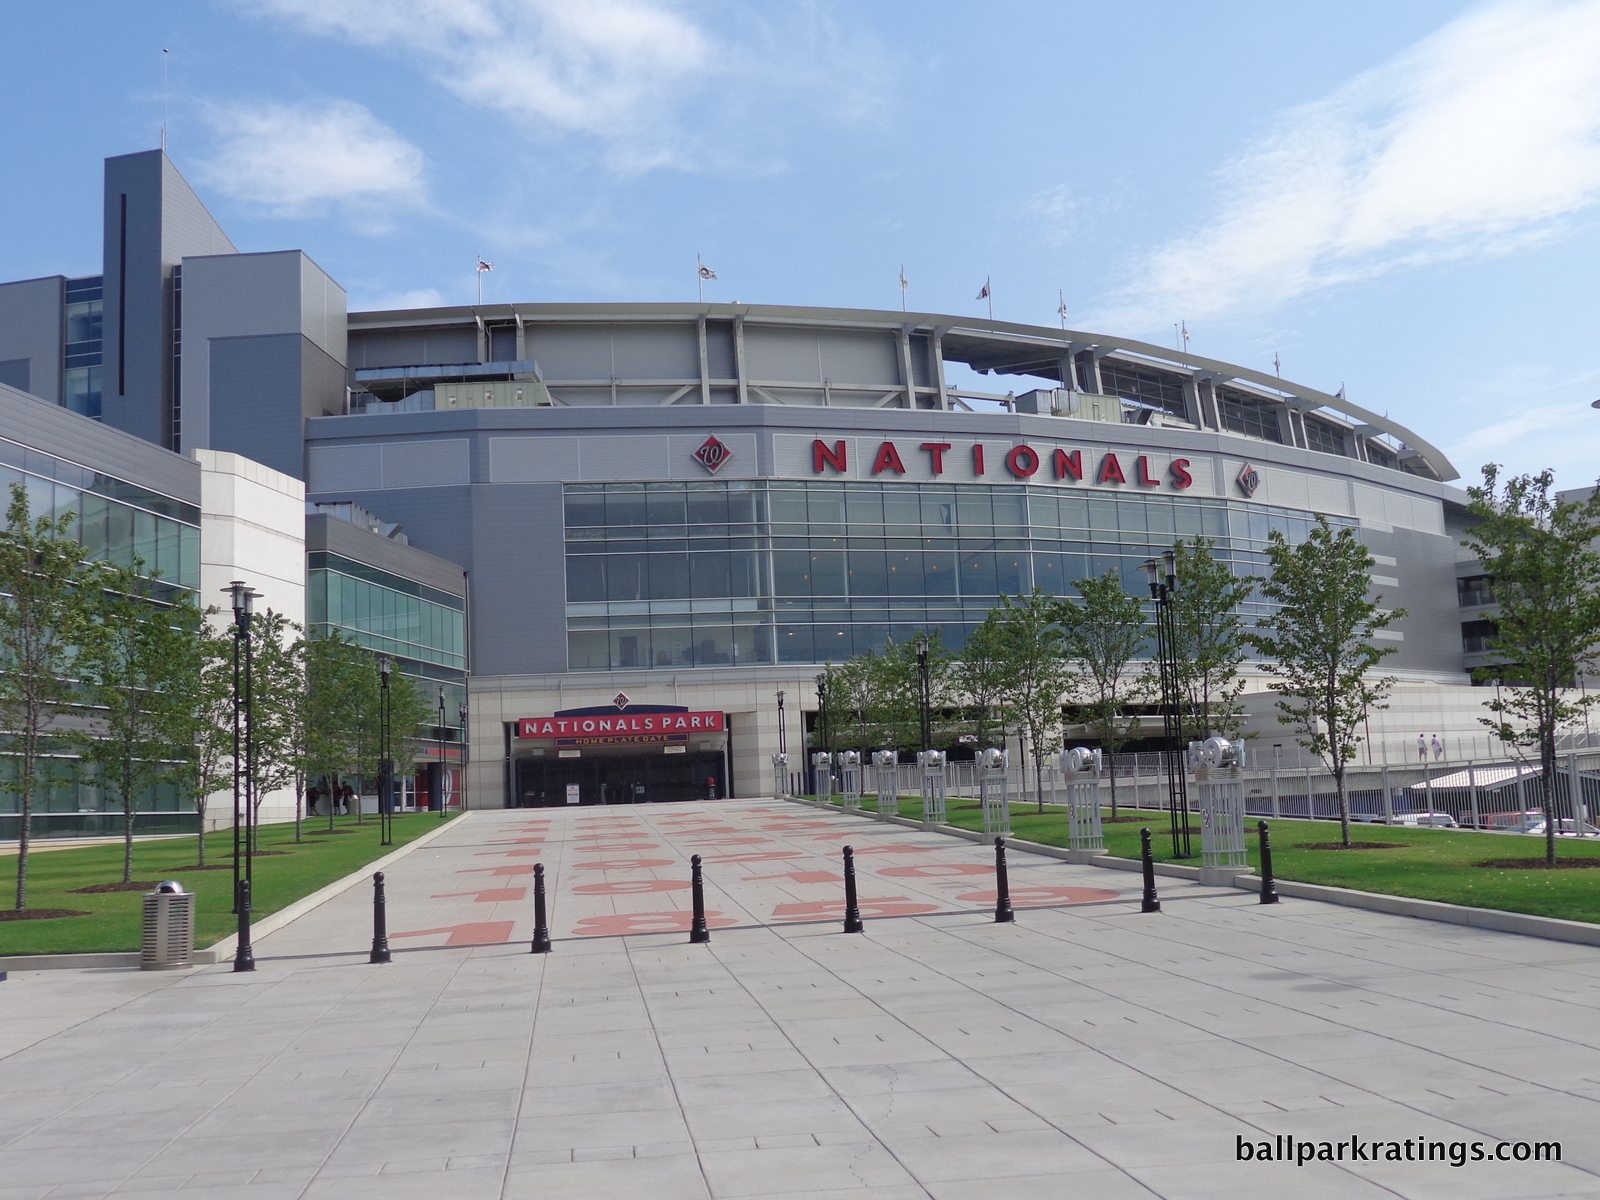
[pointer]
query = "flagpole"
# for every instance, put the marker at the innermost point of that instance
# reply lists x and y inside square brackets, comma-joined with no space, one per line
[477,272]
[988,286]
[902,287]
[699,277]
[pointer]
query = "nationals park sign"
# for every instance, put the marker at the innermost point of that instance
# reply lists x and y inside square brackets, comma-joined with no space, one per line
[1105,468]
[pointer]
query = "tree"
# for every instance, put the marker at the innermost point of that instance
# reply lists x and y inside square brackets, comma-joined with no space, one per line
[207,761]
[1037,673]
[1210,641]
[42,575]
[139,662]
[277,681]
[979,676]
[1104,634]
[338,674]
[1319,644]
[897,691]
[1545,572]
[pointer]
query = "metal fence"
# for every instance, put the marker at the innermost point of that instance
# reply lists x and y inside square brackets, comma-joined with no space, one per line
[1488,794]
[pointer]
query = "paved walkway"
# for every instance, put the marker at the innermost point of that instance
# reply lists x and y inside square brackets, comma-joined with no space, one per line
[1086,1050]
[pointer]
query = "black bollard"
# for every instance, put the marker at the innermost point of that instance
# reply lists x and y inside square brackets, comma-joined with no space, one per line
[698,933]
[380,922]
[852,910]
[541,928]
[1002,885]
[1150,903]
[1269,885]
[244,958]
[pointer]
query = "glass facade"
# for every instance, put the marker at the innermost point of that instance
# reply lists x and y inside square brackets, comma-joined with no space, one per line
[117,522]
[422,628]
[81,353]
[673,575]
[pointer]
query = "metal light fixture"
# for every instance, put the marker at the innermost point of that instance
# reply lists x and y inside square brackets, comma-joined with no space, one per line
[242,598]
[924,692]
[444,773]
[385,761]
[1162,574]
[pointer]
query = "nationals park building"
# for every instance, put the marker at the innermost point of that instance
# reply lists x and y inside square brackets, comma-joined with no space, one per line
[665,514]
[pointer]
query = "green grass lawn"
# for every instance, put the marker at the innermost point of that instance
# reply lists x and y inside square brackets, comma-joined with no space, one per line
[280,878]
[1427,865]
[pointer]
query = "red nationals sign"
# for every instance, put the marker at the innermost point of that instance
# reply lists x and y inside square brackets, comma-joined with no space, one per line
[622,723]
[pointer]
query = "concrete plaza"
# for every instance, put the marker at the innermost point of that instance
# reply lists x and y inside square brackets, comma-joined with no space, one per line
[1085,1050]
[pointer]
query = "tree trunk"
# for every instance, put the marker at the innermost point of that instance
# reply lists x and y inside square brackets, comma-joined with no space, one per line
[127,827]
[299,799]
[1344,805]
[200,815]
[1038,780]
[1111,766]
[1547,778]
[30,766]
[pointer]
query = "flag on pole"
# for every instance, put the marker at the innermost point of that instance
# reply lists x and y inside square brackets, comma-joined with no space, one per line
[1184,326]
[1277,365]
[983,292]
[485,266]
[1061,309]
[706,272]
[482,267]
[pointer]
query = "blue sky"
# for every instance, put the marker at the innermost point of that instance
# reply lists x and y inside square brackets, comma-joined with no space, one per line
[1397,198]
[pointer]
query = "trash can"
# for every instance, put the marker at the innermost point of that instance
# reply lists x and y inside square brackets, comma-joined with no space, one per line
[168,928]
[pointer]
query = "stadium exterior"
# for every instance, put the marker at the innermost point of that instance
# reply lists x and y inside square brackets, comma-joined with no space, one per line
[668,513]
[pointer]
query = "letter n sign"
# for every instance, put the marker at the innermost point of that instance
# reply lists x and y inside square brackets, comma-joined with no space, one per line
[822,457]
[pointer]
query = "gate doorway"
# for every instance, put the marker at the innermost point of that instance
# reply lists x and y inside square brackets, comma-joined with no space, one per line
[620,779]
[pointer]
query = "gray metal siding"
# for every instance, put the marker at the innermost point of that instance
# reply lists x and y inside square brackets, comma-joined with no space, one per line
[324,532]
[49,427]
[30,335]
[256,400]
[165,223]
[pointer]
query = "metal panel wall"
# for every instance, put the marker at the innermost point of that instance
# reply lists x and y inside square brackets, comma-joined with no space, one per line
[30,333]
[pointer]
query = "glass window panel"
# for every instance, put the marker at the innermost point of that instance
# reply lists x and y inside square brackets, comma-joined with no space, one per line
[791,573]
[795,644]
[744,574]
[1049,574]
[868,575]
[826,506]
[789,506]
[902,506]
[707,507]
[978,575]
[669,576]
[119,535]
[939,572]
[664,507]
[974,512]
[752,643]
[1011,572]
[1010,508]
[713,645]
[1103,514]
[709,575]
[863,506]
[744,504]
[1074,511]
[828,573]
[938,507]
[586,577]
[1131,516]
[586,508]
[587,650]
[625,577]
[904,573]
[625,648]
[626,509]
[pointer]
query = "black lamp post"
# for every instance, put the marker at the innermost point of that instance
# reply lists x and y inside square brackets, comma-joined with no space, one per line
[924,691]
[385,761]
[783,728]
[461,739]
[243,771]
[442,776]
[822,718]
[1163,576]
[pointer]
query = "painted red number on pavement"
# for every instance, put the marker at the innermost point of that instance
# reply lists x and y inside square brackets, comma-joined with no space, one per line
[618,848]
[656,922]
[478,933]
[800,877]
[628,887]
[888,906]
[623,864]
[1044,895]
[516,869]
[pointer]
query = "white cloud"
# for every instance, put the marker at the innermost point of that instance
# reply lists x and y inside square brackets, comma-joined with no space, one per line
[617,71]
[1473,142]
[609,68]
[394,301]
[298,158]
